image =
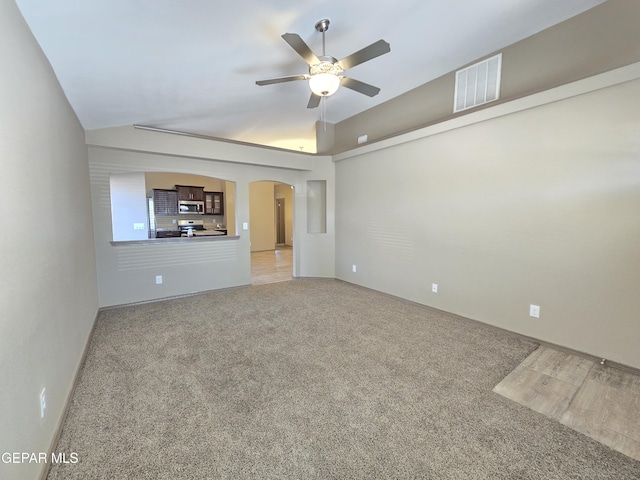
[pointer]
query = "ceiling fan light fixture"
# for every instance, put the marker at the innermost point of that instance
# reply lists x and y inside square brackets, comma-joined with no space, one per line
[324,84]
[325,72]
[325,77]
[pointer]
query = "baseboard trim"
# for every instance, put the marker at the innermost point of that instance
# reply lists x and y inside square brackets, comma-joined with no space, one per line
[56,437]
[588,356]
[172,297]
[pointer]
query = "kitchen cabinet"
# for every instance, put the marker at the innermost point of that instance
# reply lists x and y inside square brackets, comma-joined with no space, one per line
[165,202]
[186,192]
[213,203]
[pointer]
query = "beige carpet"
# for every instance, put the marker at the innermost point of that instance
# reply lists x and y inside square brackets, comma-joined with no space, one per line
[310,379]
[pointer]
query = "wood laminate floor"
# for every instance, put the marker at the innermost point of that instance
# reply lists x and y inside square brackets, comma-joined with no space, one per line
[272,266]
[597,400]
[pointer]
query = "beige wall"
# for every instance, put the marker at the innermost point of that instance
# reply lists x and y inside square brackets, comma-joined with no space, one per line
[48,294]
[262,197]
[261,202]
[126,273]
[170,180]
[230,208]
[537,207]
[185,146]
[598,40]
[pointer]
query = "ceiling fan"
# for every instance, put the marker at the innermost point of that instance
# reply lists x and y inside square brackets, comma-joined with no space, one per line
[325,72]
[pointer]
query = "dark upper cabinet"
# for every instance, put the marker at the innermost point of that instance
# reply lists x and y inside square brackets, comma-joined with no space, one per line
[165,202]
[213,203]
[186,192]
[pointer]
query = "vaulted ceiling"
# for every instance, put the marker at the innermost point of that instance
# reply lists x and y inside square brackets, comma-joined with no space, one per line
[191,65]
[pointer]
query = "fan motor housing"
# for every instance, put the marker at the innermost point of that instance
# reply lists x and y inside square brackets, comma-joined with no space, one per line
[327,65]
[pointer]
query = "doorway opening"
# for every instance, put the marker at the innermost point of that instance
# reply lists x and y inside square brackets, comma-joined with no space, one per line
[280,222]
[271,216]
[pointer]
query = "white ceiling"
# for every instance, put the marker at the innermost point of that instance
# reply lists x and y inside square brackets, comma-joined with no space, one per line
[191,65]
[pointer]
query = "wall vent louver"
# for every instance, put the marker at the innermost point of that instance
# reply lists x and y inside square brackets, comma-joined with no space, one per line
[478,84]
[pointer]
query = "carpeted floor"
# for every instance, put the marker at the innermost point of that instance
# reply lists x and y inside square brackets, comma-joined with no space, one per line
[310,379]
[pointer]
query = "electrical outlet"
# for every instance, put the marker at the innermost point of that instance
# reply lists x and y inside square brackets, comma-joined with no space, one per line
[43,402]
[353,268]
[158,279]
[434,287]
[534,311]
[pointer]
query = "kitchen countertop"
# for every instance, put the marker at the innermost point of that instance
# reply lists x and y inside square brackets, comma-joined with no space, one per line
[160,241]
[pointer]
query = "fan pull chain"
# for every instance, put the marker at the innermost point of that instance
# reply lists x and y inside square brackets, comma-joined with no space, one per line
[323,112]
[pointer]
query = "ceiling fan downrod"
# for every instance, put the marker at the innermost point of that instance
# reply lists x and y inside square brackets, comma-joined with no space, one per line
[322,26]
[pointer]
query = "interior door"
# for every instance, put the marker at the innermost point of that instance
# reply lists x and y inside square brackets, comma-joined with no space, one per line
[280,225]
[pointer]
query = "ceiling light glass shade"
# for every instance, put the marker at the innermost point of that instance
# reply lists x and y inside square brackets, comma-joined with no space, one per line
[324,84]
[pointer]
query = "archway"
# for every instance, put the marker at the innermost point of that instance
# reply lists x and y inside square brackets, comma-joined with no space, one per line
[272,238]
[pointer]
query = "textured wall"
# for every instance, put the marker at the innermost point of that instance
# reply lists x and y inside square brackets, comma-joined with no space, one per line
[126,273]
[536,207]
[48,294]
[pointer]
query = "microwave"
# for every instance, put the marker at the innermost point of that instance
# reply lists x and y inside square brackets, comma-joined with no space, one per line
[191,207]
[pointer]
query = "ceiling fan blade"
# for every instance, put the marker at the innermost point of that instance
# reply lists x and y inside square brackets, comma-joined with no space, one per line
[314,101]
[360,87]
[367,53]
[291,78]
[295,41]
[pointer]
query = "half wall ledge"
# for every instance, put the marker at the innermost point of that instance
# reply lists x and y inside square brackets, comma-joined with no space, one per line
[157,241]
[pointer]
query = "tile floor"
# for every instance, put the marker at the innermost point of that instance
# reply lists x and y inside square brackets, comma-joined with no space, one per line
[597,400]
[272,265]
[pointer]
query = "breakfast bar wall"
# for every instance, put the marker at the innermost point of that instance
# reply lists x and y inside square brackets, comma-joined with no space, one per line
[129,272]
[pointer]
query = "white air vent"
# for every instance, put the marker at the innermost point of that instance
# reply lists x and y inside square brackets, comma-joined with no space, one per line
[478,84]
